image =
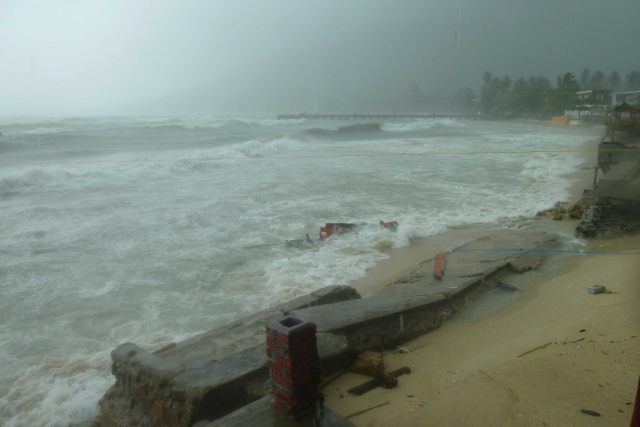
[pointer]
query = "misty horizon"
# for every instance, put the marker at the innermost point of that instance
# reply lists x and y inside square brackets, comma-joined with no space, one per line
[253,58]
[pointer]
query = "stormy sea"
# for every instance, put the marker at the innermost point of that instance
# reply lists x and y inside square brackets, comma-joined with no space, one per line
[141,230]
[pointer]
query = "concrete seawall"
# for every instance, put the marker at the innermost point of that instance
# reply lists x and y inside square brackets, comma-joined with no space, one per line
[209,376]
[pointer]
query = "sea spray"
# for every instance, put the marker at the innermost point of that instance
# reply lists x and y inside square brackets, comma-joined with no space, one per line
[131,230]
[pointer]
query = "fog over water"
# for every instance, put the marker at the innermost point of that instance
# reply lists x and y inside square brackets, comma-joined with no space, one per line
[231,57]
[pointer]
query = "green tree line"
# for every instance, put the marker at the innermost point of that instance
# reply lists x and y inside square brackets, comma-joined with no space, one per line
[533,96]
[538,96]
[598,80]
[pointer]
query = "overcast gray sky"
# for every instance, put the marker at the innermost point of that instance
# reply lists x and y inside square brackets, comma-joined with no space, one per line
[224,57]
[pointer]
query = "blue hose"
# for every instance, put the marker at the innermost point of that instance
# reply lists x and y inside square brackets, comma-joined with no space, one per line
[551,250]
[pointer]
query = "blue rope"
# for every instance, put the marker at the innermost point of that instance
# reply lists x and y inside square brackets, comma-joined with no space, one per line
[551,250]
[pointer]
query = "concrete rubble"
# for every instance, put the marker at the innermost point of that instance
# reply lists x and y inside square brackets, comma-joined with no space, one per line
[609,217]
[211,377]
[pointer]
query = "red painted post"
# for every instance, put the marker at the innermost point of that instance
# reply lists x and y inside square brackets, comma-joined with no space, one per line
[635,418]
[294,366]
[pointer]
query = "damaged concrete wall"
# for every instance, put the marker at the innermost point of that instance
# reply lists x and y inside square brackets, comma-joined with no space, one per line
[216,373]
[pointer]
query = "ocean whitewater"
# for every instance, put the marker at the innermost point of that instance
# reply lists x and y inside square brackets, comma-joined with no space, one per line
[120,230]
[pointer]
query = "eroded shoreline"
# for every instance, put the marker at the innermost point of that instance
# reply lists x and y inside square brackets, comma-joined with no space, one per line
[215,373]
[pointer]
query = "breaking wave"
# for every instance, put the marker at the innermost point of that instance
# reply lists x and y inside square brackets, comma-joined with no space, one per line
[90,177]
[195,123]
[421,125]
[276,145]
[162,256]
[347,131]
[45,131]
[374,128]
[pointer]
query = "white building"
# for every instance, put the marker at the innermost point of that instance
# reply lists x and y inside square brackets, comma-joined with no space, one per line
[628,97]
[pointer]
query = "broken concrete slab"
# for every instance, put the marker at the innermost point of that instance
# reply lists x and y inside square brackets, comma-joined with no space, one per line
[323,296]
[226,364]
[350,314]
[213,374]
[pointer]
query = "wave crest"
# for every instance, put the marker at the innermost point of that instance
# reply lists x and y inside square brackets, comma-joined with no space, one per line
[348,130]
[421,125]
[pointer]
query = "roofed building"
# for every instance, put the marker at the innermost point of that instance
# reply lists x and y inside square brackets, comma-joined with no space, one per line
[625,97]
[595,97]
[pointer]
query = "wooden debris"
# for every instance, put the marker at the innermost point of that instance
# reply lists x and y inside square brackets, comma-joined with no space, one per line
[370,385]
[403,350]
[366,410]
[534,349]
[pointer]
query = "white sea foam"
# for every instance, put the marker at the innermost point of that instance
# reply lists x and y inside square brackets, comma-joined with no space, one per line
[421,125]
[272,122]
[146,251]
[46,131]
[192,123]
[264,147]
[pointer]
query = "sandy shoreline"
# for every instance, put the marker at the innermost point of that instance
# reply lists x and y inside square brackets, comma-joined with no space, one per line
[406,258]
[469,374]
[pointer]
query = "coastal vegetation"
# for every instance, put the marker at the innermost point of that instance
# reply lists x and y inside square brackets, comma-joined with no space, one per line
[534,96]
[538,97]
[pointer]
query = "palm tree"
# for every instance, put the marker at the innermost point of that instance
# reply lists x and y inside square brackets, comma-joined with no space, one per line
[633,80]
[585,79]
[597,81]
[506,84]
[614,80]
[487,78]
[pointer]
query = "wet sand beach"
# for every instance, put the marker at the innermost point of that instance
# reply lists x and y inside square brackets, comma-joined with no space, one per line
[469,374]
[472,371]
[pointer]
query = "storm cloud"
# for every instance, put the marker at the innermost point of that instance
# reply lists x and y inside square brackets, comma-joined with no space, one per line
[259,57]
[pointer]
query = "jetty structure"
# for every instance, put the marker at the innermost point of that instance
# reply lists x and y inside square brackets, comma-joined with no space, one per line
[221,377]
[356,116]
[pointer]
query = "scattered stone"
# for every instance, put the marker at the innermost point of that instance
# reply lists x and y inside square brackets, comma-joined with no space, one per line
[609,217]
[157,409]
[576,211]
[369,363]
[558,212]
